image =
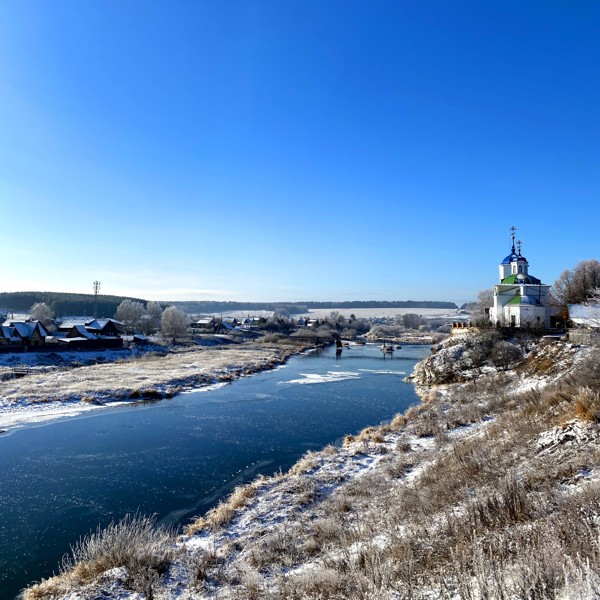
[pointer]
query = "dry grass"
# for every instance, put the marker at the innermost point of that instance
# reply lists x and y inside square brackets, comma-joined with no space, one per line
[587,404]
[148,376]
[476,511]
[135,543]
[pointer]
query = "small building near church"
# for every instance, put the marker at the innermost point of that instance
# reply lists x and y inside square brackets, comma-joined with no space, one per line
[520,299]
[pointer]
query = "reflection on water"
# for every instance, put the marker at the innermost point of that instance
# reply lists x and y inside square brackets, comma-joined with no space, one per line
[178,457]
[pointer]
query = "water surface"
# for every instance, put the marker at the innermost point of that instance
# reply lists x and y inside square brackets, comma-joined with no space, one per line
[176,458]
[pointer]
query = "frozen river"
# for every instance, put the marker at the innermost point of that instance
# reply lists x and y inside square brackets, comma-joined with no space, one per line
[178,457]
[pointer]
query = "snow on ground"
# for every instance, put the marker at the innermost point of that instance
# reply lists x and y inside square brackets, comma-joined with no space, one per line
[373,313]
[54,389]
[289,499]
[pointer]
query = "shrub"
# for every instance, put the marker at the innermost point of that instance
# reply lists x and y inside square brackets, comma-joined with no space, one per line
[504,354]
[587,404]
[135,543]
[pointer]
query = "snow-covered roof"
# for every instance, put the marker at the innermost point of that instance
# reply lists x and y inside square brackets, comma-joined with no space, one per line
[89,322]
[6,331]
[25,329]
[585,315]
[72,321]
[105,321]
[82,332]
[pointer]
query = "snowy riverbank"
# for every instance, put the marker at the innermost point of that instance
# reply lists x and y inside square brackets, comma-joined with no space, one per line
[66,385]
[489,488]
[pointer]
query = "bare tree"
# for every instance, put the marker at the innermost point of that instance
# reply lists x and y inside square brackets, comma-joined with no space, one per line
[504,354]
[40,311]
[130,313]
[173,323]
[578,284]
[480,309]
[412,320]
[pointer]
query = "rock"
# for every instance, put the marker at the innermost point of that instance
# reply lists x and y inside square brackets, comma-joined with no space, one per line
[574,431]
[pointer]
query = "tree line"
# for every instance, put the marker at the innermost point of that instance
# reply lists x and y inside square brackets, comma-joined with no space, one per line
[214,306]
[68,304]
[63,304]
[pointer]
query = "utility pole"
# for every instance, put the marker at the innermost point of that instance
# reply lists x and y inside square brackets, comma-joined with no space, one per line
[96,290]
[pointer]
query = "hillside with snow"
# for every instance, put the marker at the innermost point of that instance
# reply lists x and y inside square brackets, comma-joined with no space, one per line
[489,488]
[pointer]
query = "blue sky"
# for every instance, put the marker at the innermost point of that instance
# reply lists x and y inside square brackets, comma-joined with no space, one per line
[278,150]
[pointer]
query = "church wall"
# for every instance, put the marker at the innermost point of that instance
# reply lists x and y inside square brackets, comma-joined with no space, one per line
[504,271]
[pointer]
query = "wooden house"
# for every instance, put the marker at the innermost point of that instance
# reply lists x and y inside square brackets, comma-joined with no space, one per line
[30,333]
[204,325]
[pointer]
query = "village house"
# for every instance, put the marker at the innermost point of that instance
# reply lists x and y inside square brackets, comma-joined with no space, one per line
[80,333]
[8,336]
[98,327]
[28,333]
[204,325]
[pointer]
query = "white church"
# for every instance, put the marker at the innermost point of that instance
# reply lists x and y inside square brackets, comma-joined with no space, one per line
[520,299]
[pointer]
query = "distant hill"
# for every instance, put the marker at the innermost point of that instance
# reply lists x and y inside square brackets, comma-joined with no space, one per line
[213,307]
[63,304]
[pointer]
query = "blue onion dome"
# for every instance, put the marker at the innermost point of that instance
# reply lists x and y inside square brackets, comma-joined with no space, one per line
[510,258]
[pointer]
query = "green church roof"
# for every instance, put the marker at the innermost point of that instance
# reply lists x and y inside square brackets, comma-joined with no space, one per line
[531,300]
[514,280]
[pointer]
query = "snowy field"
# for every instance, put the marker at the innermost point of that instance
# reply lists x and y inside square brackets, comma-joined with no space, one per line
[54,390]
[373,313]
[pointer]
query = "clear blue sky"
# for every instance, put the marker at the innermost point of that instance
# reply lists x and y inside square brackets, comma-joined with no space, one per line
[294,150]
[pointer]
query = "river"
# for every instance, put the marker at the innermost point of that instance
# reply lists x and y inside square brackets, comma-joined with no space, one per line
[176,458]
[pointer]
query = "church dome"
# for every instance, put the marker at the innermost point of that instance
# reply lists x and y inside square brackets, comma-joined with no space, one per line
[510,258]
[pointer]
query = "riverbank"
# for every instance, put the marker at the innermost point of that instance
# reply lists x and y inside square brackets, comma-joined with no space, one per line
[489,488]
[63,386]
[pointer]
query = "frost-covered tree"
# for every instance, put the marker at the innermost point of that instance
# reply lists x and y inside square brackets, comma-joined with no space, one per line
[154,311]
[130,313]
[595,296]
[578,284]
[40,311]
[412,320]
[173,323]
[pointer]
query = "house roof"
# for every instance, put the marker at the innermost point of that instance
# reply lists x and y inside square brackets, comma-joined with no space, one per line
[89,322]
[6,331]
[72,321]
[82,332]
[105,321]
[25,329]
